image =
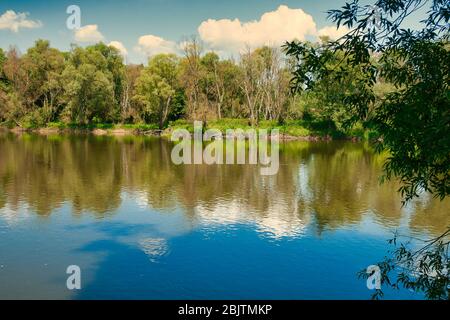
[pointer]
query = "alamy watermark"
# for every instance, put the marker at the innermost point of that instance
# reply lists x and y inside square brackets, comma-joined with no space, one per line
[374,278]
[73,22]
[375,17]
[190,150]
[73,282]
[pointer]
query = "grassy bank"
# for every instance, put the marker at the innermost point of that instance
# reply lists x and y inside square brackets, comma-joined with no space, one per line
[293,129]
[102,126]
[299,129]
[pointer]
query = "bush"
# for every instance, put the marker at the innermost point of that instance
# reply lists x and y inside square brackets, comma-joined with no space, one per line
[32,120]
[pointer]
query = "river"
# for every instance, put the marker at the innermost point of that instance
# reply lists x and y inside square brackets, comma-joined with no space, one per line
[141,227]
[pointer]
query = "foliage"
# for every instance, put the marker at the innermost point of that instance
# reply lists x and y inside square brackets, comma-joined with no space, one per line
[425,269]
[412,116]
[91,86]
[156,88]
[417,63]
[325,101]
[3,80]
[89,94]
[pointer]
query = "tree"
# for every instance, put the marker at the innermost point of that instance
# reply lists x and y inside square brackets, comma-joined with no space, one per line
[3,85]
[156,87]
[4,99]
[114,64]
[94,79]
[325,99]
[14,105]
[275,83]
[213,82]
[129,110]
[265,84]
[192,75]
[416,63]
[33,81]
[109,69]
[251,83]
[89,94]
[220,80]
[413,120]
[2,63]
[44,66]
[228,75]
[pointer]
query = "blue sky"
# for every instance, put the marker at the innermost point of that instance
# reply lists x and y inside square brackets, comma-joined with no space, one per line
[165,21]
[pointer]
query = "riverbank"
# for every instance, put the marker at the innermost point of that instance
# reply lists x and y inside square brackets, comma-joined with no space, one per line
[289,131]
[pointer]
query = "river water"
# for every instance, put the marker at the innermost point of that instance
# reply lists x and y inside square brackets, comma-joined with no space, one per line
[140,227]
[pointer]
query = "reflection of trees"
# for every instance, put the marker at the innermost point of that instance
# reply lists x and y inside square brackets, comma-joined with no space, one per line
[431,214]
[45,172]
[336,183]
[343,181]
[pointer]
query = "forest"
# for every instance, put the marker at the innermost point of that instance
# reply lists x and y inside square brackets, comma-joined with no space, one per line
[93,87]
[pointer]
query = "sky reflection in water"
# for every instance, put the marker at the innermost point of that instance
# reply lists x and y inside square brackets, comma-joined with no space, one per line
[142,228]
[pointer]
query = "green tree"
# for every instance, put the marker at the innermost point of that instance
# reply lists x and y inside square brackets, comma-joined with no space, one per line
[416,63]
[3,86]
[94,78]
[264,82]
[212,82]
[114,64]
[2,63]
[14,106]
[192,77]
[157,86]
[89,94]
[275,83]
[130,110]
[31,84]
[252,67]
[44,66]
[220,83]
[413,120]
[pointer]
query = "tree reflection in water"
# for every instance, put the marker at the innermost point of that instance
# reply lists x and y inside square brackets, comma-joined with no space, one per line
[331,184]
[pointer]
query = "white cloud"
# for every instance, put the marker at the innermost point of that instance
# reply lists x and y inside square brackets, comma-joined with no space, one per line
[14,21]
[89,33]
[273,28]
[150,45]
[119,46]
[333,33]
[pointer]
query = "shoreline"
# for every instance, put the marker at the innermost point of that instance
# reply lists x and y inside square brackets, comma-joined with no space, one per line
[120,132]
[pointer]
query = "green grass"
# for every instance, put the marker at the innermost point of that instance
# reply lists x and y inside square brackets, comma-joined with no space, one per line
[140,127]
[294,128]
[103,126]
[92,126]
[181,124]
[296,131]
[56,125]
[224,124]
[291,128]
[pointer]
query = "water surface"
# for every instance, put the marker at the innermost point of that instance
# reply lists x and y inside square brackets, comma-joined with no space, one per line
[140,227]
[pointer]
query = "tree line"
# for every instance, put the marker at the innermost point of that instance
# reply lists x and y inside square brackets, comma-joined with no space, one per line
[93,85]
